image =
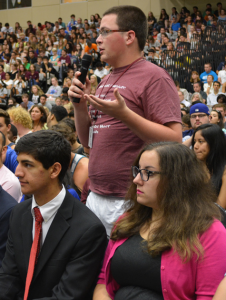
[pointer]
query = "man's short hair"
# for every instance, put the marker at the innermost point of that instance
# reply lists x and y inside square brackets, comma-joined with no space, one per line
[45,57]
[131,18]
[208,63]
[43,95]
[217,82]
[25,96]
[3,139]
[4,114]
[59,112]
[6,24]
[215,106]
[199,83]
[47,147]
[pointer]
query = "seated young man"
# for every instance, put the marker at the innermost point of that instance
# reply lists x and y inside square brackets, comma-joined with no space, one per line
[56,244]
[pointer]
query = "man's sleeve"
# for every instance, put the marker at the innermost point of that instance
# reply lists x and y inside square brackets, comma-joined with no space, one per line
[10,282]
[4,228]
[208,100]
[81,273]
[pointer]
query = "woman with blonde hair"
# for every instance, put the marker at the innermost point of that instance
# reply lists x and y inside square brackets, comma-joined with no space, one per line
[93,81]
[169,243]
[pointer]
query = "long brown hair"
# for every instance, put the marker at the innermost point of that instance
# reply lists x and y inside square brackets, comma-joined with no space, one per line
[186,199]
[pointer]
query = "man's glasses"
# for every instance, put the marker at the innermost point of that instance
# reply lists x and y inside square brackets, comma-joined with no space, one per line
[144,174]
[105,32]
[199,116]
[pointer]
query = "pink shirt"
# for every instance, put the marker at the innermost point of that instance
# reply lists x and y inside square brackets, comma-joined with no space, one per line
[10,183]
[188,281]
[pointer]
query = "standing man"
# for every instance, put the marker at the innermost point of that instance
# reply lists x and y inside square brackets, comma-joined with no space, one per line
[55,245]
[72,23]
[136,104]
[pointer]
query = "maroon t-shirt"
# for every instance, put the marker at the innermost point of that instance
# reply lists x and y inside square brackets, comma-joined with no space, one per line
[151,93]
[65,60]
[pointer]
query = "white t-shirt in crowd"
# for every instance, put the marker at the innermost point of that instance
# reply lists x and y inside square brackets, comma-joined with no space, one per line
[101,73]
[212,99]
[222,76]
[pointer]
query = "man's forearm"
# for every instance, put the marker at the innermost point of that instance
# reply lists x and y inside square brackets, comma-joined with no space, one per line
[82,123]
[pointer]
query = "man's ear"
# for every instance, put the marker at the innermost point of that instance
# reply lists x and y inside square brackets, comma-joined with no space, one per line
[55,170]
[8,128]
[130,37]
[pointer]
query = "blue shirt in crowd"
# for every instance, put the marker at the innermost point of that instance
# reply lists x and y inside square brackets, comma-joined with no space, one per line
[11,160]
[204,75]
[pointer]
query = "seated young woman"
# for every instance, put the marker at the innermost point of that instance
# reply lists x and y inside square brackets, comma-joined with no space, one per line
[169,244]
[209,145]
[39,118]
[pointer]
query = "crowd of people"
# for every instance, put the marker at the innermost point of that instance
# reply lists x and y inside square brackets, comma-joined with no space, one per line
[122,194]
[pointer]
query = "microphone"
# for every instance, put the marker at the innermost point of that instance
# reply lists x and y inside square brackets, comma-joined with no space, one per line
[86,61]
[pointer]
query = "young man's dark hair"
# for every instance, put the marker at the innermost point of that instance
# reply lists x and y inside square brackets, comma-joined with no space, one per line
[4,114]
[45,57]
[65,90]
[6,24]
[41,97]
[12,134]
[217,82]
[47,147]
[131,18]
[59,112]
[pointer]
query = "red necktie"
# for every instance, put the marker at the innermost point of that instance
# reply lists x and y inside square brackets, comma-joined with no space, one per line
[35,249]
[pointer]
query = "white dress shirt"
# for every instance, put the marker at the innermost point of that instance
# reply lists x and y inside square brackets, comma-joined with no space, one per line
[48,212]
[212,99]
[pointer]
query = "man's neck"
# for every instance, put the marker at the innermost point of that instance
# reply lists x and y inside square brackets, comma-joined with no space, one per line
[126,61]
[22,131]
[48,194]
[7,141]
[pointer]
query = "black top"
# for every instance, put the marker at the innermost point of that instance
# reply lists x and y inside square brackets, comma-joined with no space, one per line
[136,271]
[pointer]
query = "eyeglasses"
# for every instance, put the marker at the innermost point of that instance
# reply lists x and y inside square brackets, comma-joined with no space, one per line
[144,174]
[105,32]
[199,116]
